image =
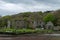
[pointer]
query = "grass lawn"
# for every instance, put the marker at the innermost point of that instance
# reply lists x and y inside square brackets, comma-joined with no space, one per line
[25,31]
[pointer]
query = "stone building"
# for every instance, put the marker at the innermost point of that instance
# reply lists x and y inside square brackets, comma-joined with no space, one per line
[22,24]
[42,24]
[18,24]
[49,25]
[29,24]
[57,28]
[8,24]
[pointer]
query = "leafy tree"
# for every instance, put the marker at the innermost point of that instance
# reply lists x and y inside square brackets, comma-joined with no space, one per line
[57,15]
[26,14]
[6,17]
[49,17]
[3,20]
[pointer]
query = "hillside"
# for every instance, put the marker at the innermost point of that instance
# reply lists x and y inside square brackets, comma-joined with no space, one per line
[46,16]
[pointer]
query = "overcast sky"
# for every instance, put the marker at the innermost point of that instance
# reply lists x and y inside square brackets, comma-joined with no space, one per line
[9,7]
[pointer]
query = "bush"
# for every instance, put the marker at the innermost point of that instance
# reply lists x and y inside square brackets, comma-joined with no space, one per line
[25,31]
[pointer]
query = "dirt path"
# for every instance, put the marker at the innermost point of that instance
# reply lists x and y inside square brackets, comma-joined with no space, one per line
[33,37]
[23,38]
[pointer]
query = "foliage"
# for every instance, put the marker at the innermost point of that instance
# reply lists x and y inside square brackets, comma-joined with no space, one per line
[31,17]
[49,17]
[25,31]
[3,20]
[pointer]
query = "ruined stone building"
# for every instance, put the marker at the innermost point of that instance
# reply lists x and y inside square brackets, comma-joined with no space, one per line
[24,24]
[49,25]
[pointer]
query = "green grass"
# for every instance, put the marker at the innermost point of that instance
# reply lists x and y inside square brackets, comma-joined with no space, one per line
[21,31]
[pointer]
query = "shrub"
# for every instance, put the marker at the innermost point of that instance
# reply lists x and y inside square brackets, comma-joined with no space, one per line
[25,31]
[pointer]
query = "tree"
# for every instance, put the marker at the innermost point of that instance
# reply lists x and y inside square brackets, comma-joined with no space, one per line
[3,20]
[49,17]
[57,15]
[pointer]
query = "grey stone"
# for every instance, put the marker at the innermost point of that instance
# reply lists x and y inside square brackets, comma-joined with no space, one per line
[49,25]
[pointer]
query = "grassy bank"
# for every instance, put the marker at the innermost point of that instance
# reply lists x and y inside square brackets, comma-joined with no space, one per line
[24,31]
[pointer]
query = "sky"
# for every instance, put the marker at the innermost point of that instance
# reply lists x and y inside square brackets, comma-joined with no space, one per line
[10,7]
